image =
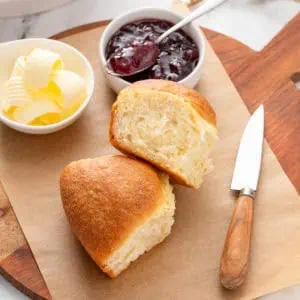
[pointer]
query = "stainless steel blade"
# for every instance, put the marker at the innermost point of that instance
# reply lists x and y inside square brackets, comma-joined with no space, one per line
[248,161]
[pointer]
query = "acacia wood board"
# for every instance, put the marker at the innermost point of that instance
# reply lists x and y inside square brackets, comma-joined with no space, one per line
[266,77]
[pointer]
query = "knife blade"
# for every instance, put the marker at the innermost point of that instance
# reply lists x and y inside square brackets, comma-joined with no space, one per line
[248,161]
[235,257]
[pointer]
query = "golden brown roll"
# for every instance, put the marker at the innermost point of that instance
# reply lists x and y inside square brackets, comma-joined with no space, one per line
[171,126]
[118,208]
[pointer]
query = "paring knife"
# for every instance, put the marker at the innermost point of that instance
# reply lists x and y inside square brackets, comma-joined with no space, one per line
[235,257]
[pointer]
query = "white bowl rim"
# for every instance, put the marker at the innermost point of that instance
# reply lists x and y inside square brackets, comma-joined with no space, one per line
[201,47]
[19,126]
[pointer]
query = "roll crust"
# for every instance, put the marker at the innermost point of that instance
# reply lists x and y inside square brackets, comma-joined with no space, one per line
[106,199]
[198,102]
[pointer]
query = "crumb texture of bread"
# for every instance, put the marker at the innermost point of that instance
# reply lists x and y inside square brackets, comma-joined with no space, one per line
[146,236]
[117,207]
[168,125]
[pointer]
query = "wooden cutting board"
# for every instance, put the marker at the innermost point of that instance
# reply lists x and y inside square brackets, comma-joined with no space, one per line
[266,77]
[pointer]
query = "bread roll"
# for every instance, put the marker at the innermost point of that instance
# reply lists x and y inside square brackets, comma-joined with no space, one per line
[171,126]
[118,208]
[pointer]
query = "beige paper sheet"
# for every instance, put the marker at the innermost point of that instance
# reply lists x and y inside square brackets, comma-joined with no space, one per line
[186,265]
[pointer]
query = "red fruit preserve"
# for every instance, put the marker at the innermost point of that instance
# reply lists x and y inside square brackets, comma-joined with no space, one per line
[132,48]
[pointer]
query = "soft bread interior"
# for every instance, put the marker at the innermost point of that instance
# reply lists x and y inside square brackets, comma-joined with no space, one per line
[146,236]
[165,129]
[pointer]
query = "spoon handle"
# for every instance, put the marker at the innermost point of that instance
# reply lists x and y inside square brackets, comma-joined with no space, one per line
[204,8]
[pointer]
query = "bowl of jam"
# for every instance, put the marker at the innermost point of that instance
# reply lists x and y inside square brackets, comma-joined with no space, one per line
[128,43]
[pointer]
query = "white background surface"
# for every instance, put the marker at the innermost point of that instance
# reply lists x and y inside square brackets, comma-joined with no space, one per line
[253,22]
[21,7]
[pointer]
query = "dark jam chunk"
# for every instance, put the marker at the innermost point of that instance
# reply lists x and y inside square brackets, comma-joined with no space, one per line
[128,48]
[134,58]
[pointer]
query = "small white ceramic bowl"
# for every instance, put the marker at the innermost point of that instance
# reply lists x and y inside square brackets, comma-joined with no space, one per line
[116,83]
[73,60]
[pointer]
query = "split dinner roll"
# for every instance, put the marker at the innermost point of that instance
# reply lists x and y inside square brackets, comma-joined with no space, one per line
[172,127]
[118,208]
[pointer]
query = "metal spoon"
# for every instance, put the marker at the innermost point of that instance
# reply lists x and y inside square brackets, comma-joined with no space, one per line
[207,6]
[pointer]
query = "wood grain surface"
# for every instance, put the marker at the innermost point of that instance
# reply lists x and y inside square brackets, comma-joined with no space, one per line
[236,253]
[265,77]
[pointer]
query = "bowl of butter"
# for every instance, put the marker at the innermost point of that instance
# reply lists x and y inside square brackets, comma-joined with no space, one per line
[45,85]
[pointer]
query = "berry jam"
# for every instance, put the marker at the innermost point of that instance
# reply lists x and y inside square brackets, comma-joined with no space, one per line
[132,47]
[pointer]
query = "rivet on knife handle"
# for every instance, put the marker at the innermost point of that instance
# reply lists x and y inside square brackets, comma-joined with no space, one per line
[236,253]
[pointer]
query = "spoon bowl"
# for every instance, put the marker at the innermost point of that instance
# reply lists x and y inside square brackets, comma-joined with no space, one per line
[139,58]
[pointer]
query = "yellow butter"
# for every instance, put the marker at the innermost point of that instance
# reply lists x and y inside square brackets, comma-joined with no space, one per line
[72,88]
[39,67]
[66,113]
[35,109]
[19,67]
[50,118]
[40,92]
[51,92]
[37,122]
[15,95]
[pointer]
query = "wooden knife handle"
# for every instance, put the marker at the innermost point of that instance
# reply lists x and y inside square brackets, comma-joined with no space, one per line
[235,257]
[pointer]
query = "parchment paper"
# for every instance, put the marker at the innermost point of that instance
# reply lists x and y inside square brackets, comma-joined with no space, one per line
[186,265]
